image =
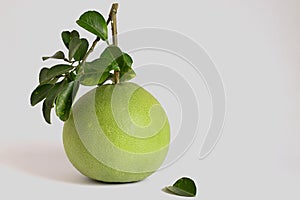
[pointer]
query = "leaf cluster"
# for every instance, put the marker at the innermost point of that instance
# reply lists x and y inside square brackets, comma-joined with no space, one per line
[58,85]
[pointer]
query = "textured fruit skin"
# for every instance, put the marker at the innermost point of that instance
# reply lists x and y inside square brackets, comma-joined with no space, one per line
[117,133]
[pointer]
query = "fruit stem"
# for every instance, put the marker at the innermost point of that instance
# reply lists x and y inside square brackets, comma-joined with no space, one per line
[113,18]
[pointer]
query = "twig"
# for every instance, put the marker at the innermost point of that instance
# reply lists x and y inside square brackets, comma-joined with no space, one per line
[91,49]
[113,18]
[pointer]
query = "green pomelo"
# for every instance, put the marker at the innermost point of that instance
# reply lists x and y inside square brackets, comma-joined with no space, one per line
[117,133]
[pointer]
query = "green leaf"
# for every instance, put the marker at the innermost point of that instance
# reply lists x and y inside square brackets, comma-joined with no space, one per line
[120,61]
[47,112]
[52,81]
[77,47]
[65,99]
[127,60]
[81,51]
[126,76]
[52,94]
[73,47]
[50,99]
[184,187]
[93,22]
[94,73]
[40,93]
[112,53]
[73,76]
[126,72]
[58,70]
[74,34]
[57,55]
[115,67]
[117,58]
[43,76]
[65,36]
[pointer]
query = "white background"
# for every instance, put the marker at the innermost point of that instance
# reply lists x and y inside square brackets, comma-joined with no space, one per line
[255,45]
